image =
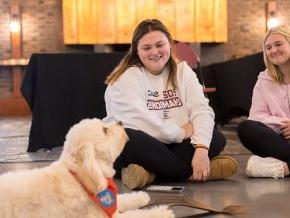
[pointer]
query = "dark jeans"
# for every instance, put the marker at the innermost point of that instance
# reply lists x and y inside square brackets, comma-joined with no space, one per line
[263,141]
[167,161]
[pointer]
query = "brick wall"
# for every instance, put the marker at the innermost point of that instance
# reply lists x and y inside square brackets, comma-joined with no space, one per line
[41,26]
[246,29]
[42,31]
[5,83]
[4,34]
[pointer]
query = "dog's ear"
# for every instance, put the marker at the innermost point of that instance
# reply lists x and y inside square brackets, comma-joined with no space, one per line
[89,169]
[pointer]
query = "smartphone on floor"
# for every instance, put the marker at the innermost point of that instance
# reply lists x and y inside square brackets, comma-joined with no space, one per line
[164,188]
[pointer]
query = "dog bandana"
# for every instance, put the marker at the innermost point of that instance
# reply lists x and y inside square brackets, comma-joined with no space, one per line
[106,199]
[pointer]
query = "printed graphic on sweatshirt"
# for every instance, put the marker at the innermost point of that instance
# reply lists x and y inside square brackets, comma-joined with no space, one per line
[169,100]
[166,115]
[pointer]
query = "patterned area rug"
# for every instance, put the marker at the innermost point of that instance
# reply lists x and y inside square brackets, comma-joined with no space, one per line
[233,146]
[14,140]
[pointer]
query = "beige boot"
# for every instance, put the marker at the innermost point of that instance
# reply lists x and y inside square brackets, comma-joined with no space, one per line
[135,176]
[222,167]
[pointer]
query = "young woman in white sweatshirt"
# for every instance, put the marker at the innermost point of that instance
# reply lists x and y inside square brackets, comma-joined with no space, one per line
[165,113]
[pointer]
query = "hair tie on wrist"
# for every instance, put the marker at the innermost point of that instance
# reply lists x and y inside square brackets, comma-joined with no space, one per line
[200,146]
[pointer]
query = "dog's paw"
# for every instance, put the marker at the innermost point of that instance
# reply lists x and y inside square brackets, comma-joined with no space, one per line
[142,197]
[161,212]
[133,200]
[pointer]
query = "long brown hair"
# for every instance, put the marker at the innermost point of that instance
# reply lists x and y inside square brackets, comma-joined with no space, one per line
[273,69]
[132,58]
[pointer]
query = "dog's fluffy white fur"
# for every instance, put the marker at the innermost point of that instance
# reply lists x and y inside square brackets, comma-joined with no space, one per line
[89,150]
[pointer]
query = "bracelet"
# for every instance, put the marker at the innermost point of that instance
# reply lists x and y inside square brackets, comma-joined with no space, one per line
[200,146]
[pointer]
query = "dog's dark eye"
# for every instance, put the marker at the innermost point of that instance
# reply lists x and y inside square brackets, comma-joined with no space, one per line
[105,130]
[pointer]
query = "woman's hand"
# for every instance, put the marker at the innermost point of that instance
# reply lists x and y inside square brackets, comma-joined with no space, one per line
[200,165]
[285,129]
[188,128]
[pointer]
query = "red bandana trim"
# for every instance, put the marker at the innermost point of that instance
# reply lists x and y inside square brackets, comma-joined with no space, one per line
[106,199]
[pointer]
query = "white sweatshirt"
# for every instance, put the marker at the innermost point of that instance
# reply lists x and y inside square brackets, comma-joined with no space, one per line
[142,102]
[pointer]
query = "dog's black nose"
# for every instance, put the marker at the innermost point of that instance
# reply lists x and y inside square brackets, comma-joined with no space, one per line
[120,123]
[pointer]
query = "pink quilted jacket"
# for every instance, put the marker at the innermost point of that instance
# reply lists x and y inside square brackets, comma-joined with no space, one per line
[270,102]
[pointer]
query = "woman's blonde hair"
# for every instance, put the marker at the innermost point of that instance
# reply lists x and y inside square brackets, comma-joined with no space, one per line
[132,58]
[273,69]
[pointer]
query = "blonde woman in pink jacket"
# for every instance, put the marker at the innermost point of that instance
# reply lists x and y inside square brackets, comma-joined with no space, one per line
[266,133]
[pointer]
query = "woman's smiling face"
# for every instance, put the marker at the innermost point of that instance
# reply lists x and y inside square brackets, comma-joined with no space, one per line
[154,51]
[277,49]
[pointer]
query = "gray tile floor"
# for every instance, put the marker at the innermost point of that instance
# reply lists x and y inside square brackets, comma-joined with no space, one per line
[267,198]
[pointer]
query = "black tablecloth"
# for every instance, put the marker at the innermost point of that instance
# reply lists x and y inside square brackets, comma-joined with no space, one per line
[234,81]
[62,89]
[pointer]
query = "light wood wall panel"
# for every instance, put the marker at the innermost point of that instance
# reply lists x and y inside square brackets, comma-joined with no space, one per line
[88,22]
[70,26]
[126,19]
[166,14]
[113,21]
[219,20]
[185,18]
[107,32]
[145,9]
[204,28]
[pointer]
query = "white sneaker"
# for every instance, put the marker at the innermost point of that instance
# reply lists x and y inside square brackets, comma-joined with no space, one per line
[265,167]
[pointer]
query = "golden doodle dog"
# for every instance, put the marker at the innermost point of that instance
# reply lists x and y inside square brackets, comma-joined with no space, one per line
[79,184]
